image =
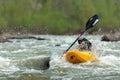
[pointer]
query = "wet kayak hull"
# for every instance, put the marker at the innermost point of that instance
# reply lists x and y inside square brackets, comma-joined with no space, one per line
[75,56]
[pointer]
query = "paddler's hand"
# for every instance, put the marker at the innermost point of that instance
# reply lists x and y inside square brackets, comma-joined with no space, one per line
[65,52]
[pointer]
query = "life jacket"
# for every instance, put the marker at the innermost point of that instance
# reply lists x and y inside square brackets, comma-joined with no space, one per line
[87,44]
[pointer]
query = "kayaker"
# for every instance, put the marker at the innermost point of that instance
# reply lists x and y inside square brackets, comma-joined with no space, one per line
[84,43]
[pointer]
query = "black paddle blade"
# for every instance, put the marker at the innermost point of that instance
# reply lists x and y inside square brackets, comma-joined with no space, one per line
[91,22]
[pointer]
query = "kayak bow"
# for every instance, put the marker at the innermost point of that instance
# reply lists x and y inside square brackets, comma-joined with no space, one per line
[75,56]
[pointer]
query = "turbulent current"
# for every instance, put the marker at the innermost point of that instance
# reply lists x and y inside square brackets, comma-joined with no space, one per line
[21,59]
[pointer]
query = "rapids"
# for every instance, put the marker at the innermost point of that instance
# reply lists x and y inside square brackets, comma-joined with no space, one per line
[21,59]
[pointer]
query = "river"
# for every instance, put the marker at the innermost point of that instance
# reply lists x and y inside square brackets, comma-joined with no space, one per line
[20,59]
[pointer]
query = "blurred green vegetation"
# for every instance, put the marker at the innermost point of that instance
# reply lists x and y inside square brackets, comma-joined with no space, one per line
[57,16]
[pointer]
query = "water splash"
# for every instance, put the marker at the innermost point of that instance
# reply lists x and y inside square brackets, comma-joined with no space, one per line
[29,51]
[7,66]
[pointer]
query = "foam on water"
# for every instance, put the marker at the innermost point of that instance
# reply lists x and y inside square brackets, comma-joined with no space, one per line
[100,49]
[6,66]
[24,51]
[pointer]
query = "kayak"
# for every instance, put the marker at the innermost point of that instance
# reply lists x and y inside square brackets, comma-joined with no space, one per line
[76,56]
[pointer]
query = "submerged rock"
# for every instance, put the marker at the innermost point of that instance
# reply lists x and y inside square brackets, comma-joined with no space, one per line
[110,37]
[6,37]
[26,37]
[36,63]
[57,45]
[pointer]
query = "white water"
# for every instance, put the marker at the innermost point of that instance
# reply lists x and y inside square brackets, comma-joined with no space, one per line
[18,52]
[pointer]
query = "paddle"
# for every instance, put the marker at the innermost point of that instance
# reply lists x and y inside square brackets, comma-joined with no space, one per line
[90,23]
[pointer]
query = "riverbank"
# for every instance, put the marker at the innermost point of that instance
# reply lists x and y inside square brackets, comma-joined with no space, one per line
[4,37]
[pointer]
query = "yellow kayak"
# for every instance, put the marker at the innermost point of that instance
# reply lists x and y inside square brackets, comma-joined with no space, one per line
[75,56]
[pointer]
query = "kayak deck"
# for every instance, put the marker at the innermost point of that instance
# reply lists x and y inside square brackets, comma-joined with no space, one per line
[75,56]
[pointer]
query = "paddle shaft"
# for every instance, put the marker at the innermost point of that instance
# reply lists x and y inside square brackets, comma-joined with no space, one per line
[90,23]
[72,44]
[75,41]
